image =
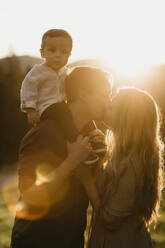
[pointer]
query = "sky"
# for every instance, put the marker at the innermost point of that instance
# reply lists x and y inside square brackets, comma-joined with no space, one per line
[126,33]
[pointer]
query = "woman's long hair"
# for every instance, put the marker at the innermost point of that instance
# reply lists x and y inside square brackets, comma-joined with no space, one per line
[135,141]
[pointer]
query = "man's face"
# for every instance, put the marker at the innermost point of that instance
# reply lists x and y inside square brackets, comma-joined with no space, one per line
[56,52]
[98,101]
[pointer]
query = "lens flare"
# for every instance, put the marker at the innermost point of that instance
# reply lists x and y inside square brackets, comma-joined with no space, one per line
[44,174]
[10,194]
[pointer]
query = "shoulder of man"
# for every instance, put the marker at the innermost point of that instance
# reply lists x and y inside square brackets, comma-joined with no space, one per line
[44,136]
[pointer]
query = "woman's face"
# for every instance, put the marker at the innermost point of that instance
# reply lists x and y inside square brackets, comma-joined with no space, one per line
[109,114]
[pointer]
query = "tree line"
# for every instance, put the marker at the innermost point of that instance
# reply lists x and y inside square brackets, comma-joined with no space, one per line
[13,123]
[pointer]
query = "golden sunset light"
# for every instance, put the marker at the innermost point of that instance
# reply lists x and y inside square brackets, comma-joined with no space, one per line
[128,34]
[82,103]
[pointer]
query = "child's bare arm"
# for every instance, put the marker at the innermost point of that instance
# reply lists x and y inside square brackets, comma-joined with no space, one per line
[33,116]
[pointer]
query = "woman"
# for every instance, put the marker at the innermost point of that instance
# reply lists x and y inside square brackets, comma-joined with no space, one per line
[129,185]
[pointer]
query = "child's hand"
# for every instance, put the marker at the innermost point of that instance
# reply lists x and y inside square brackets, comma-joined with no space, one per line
[33,116]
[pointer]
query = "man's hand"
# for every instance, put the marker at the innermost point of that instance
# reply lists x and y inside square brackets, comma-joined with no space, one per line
[97,136]
[33,116]
[79,150]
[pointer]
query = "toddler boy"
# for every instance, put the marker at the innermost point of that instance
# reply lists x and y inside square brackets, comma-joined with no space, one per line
[43,91]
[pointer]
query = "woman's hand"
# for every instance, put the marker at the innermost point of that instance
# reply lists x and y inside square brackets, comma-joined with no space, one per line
[79,150]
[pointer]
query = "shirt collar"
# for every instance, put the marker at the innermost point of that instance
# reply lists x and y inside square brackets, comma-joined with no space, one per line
[62,70]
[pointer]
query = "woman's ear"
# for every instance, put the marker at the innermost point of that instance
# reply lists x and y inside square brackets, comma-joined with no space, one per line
[42,53]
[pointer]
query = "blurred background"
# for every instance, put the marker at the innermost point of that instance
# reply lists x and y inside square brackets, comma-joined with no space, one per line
[124,37]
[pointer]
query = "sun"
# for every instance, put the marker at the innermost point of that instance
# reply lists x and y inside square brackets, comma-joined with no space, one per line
[129,69]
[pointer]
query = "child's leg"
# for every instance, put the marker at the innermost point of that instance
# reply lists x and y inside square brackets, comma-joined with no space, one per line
[60,113]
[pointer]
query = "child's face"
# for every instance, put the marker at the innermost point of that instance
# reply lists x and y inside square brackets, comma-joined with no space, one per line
[56,52]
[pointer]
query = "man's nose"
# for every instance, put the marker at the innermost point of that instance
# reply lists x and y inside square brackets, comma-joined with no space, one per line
[57,53]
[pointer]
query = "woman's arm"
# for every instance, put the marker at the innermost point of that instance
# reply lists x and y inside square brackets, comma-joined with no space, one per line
[87,174]
[92,192]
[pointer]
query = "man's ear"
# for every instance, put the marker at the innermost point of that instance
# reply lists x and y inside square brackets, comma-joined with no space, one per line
[42,53]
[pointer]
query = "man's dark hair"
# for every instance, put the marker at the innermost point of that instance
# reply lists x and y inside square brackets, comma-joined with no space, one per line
[87,79]
[56,33]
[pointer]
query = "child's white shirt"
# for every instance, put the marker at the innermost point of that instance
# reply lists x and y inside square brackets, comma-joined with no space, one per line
[42,87]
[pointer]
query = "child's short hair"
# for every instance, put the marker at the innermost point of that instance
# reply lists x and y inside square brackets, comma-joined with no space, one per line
[86,78]
[56,33]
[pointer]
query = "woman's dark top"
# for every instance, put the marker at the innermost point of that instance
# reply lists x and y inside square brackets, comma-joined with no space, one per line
[125,231]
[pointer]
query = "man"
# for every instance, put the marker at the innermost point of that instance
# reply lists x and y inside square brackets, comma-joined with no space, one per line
[53,203]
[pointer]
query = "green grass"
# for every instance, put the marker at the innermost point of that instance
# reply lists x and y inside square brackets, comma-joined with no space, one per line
[9,194]
[6,222]
[157,234]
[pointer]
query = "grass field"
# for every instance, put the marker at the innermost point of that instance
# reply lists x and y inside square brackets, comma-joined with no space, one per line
[9,194]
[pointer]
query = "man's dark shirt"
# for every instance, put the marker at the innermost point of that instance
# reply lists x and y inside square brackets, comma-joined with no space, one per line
[62,223]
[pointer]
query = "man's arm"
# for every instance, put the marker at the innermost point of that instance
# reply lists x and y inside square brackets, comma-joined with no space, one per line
[38,195]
